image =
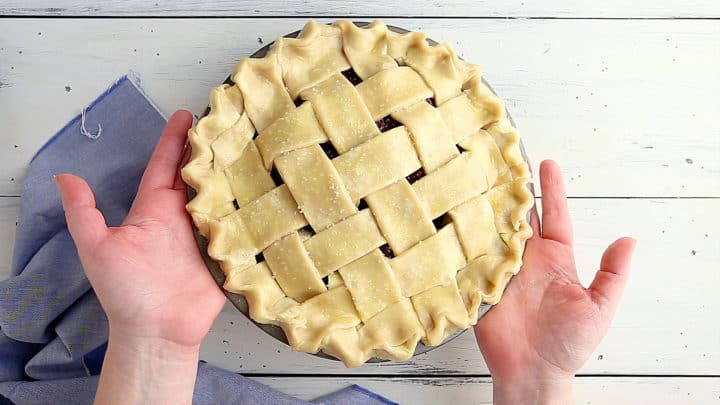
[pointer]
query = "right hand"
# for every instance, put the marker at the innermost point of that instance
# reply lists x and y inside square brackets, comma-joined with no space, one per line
[547,324]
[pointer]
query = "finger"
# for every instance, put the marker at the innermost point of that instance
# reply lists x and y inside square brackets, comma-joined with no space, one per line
[85,222]
[179,183]
[160,171]
[609,282]
[556,224]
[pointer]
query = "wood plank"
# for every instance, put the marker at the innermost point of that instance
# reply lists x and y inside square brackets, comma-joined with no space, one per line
[471,390]
[636,119]
[454,8]
[663,326]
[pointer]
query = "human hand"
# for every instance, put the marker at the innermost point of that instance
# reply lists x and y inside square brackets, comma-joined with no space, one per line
[147,273]
[547,324]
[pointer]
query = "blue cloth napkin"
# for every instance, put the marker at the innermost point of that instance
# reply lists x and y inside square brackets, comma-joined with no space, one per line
[53,331]
[353,395]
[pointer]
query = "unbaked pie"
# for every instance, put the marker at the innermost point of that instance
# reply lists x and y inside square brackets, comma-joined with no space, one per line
[362,189]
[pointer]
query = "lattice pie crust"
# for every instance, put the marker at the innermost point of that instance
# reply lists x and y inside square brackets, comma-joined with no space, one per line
[362,189]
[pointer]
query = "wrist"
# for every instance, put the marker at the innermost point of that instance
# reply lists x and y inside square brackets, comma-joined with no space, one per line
[141,369]
[156,349]
[534,389]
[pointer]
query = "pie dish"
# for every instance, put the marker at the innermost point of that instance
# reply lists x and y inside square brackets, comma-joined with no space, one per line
[363,190]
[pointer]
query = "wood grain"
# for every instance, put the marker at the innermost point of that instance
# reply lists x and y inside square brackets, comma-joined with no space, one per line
[470,390]
[448,8]
[624,106]
[628,107]
[664,325]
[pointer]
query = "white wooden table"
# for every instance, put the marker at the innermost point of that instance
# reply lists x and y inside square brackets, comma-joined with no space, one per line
[624,95]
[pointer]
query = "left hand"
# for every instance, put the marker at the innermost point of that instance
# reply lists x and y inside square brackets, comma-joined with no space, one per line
[148,273]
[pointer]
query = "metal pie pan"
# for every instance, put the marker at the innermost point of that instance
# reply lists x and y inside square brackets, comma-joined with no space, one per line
[239,301]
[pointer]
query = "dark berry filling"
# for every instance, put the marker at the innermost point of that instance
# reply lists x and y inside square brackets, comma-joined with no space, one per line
[387,251]
[276,177]
[415,176]
[329,150]
[352,77]
[387,123]
[439,222]
[309,229]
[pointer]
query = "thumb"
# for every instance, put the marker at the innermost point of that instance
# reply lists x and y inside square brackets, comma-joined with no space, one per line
[85,222]
[609,283]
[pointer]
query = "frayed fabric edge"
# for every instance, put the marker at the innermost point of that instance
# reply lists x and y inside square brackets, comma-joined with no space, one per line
[136,81]
[131,76]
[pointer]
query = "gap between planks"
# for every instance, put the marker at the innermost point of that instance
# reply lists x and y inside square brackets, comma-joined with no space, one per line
[328,8]
[460,391]
[445,376]
[343,16]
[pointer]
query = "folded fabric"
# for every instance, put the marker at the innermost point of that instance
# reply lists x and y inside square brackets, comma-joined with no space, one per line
[353,395]
[53,331]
